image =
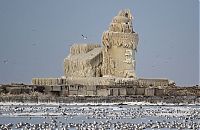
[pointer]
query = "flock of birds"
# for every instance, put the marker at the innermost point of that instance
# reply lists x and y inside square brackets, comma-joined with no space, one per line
[91,117]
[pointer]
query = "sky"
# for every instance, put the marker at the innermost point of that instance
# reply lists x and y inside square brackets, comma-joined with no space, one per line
[35,36]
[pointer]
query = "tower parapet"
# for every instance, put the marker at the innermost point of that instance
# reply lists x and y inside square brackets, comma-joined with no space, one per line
[120,45]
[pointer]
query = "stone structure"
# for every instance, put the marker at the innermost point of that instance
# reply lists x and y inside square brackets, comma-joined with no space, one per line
[104,70]
[120,44]
[115,59]
[84,60]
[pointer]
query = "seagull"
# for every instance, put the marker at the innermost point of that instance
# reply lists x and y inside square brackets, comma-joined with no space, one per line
[5,61]
[34,44]
[84,37]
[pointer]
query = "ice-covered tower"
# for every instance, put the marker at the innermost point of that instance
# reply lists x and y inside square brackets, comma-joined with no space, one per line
[120,45]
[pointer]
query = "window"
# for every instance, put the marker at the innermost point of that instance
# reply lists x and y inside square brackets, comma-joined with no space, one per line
[118,92]
[126,15]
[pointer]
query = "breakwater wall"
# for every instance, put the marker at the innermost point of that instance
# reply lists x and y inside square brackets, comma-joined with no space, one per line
[94,99]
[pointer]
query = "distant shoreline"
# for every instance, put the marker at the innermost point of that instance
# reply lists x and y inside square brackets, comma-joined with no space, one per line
[94,104]
[177,100]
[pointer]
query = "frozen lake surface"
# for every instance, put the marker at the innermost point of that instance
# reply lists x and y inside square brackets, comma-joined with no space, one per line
[53,116]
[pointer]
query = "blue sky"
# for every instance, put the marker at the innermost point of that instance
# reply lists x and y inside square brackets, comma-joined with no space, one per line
[35,36]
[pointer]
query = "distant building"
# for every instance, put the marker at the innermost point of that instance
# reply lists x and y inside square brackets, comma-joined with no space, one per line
[107,70]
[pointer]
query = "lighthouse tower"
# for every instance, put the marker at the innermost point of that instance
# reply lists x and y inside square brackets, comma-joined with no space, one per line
[120,45]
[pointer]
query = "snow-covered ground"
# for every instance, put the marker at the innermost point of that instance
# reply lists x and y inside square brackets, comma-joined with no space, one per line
[131,114]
